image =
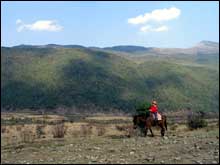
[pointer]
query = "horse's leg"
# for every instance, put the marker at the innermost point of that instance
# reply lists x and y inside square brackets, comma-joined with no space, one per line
[151,132]
[165,122]
[162,129]
[162,132]
[145,131]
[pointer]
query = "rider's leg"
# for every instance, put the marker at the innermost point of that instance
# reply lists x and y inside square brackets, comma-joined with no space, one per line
[155,116]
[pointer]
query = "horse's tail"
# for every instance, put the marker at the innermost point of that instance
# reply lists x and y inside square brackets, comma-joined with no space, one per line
[165,122]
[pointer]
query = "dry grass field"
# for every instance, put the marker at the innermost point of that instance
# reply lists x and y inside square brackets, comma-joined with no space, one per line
[103,139]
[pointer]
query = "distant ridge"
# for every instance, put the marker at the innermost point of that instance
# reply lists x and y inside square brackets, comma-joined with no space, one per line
[48,46]
[128,48]
[125,48]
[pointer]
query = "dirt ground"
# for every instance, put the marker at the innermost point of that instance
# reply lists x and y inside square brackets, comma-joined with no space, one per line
[180,145]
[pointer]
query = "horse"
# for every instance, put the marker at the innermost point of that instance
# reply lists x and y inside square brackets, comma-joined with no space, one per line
[147,121]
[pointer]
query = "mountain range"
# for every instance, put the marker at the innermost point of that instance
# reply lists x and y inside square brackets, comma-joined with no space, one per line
[104,79]
[208,47]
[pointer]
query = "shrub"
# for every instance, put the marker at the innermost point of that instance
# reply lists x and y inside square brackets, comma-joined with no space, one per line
[119,128]
[130,132]
[101,130]
[27,136]
[3,129]
[39,130]
[75,133]
[13,120]
[142,109]
[59,130]
[19,127]
[174,127]
[86,130]
[196,120]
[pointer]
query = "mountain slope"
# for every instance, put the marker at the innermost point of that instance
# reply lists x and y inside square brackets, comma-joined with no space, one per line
[128,49]
[203,47]
[82,77]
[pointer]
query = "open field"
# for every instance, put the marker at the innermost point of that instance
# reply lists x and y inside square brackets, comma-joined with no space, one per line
[104,139]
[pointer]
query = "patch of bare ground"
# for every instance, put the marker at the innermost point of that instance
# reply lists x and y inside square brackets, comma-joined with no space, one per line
[94,141]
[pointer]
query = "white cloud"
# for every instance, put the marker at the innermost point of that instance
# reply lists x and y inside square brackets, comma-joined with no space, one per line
[149,28]
[18,21]
[161,29]
[146,28]
[41,25]
[157,15]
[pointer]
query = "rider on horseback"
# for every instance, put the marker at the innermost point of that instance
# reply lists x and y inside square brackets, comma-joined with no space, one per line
[154,109]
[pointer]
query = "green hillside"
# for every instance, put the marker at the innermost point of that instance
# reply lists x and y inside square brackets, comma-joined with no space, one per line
[81,77]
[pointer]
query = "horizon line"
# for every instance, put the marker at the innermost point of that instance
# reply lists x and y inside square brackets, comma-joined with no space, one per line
[102,47]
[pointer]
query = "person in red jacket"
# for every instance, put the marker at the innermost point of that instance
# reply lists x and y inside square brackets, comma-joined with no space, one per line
[154,109]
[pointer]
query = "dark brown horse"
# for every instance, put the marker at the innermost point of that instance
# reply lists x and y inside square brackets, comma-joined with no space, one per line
[146,122]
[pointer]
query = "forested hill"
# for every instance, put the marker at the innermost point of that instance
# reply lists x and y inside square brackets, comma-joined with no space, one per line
[51,76]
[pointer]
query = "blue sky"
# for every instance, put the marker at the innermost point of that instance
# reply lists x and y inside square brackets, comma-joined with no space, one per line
[102,24]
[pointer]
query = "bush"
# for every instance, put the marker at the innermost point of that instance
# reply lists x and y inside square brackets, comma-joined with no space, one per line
[19,127]
[59,130]
[196,120]
[130,132]
[143,109]
[174,127]
[27,136]
[120,128]
[86,130]
[76,133]
[101,130]
[39,130]
[3,129]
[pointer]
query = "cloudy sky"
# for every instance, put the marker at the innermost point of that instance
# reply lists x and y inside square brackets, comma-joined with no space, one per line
[157,24]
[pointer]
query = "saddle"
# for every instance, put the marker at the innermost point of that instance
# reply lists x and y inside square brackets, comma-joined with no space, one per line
[159,116]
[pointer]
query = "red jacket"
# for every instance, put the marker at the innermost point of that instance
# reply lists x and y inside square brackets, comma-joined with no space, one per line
[153,108]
